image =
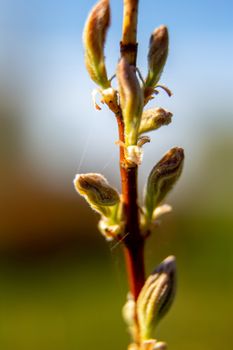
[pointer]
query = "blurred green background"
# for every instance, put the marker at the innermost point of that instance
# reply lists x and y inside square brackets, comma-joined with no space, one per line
[61,286]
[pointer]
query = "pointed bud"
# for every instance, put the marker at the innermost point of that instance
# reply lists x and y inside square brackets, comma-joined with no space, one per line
[157,56]
[156,296]
[162,178]
[131,100]
[153,119]
[97,192]
[94,36]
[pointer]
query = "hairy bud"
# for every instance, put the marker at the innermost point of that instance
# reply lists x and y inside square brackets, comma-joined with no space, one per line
[153,119]
[162,178]
[157,56]
[94,36]
[97,192]
[156,296]
[131,100]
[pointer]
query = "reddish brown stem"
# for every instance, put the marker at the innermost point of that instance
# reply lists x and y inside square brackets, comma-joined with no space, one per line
[133,242]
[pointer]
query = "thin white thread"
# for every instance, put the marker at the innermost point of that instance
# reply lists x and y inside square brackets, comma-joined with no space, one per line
[108,162]
[121,240]
[85,148]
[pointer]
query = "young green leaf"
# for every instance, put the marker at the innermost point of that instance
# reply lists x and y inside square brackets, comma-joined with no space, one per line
[157,55]
[97,192]
[162,178]
[131,101]
[153,119]
[156,296]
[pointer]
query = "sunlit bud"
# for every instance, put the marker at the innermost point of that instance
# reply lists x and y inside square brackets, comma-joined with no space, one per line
[161,210]
[153,119]
[109,229]
[131,100]
[157,56]
[98,193]
[110,98]
[160,346]
[94,36]
[156,296]
[162,178]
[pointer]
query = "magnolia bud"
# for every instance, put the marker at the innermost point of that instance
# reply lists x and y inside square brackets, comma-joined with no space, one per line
[94,35]
[156,296]
[162,178]
[157,56]
[131,100]
[97,192]
[153,119]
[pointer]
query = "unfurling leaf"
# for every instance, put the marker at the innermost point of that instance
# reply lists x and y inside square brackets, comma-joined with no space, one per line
[153,119]
[162,178]
[131,100]
[94,36]
[98,193]
[157,55]
[156,296]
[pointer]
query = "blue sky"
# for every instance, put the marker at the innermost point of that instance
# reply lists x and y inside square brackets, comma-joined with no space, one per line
[41,56]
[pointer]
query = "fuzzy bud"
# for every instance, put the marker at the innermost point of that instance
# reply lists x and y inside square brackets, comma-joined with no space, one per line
[162,178]
[153,119]
[97,192]
[131,100]
[157,56]
[156,296]
[94,36]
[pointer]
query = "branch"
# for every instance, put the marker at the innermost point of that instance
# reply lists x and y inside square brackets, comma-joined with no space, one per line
[134,242]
